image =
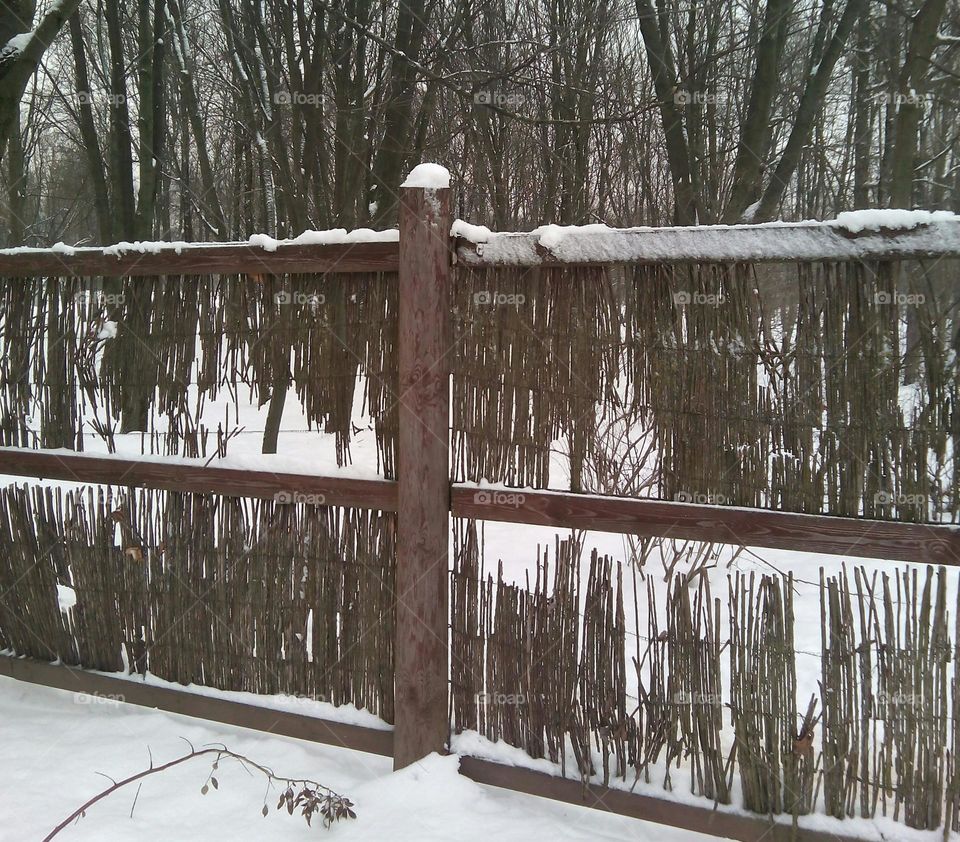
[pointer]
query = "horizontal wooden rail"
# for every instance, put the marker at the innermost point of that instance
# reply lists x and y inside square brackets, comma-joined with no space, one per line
[202,259]
[585,245]
[893,540]
[692,817]
[858,537]
[111,470]
[800,241]
[135,692]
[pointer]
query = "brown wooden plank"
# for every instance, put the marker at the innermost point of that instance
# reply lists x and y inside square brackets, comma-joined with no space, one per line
[258,718]
[203,259]
[691,817]
[724,243]
[862,538]
[917,542]
[113,470]
[421,672]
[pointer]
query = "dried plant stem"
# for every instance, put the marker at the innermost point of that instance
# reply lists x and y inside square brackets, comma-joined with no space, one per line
[332,805]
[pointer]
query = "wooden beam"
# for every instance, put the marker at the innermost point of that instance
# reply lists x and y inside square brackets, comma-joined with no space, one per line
[893,540]
[858,537]
[135,692]
[423,475]
[133,473]
[693,817]
[200,259]
[595,245]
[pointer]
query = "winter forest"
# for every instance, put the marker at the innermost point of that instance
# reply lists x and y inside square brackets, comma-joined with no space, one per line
[162,119]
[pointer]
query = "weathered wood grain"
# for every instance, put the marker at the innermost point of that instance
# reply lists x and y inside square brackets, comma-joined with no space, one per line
[421,717]
[705,819]
[135,692]
[202,259]
[114,470]
[890,540]
[718,243]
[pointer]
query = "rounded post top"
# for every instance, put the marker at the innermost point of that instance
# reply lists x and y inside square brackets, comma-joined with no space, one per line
[429,176]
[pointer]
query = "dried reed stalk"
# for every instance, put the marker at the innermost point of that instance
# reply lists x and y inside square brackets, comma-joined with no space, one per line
[267,598]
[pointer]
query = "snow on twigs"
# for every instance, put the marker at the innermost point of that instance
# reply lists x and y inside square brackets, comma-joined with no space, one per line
[852,236]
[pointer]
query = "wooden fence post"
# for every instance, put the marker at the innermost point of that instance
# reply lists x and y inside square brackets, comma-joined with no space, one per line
[423,472]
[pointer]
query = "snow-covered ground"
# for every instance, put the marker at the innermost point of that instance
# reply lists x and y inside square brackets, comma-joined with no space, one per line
[52,746]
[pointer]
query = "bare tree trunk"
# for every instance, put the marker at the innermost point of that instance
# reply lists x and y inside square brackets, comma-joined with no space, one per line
[923,39]
[755,134]
[210,207]
[663,69]
[88,132]
[389,162]
[121,140]
[16,185]
[349,156]
[152,123]
[810,105]
[19,65]
[861,118]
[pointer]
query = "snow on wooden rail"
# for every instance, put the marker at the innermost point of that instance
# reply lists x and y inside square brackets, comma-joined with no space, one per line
[859,235]
[313,251]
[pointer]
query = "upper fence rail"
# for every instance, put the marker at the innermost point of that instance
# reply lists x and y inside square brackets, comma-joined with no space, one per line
[596,245]
[260,256]
[318,252]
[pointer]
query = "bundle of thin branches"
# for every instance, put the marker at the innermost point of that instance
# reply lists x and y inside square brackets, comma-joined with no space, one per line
[535,363]
[694,687]
[774,748]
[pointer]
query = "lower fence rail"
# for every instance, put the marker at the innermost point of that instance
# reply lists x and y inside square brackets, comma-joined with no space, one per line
[692,817]
[227,711]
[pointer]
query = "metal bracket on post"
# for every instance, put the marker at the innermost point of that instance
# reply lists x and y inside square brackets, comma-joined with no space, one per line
[421,667]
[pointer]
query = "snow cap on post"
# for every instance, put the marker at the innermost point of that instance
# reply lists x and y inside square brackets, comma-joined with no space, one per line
[429,176]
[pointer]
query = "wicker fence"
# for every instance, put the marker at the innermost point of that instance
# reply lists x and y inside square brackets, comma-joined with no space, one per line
[764,368]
